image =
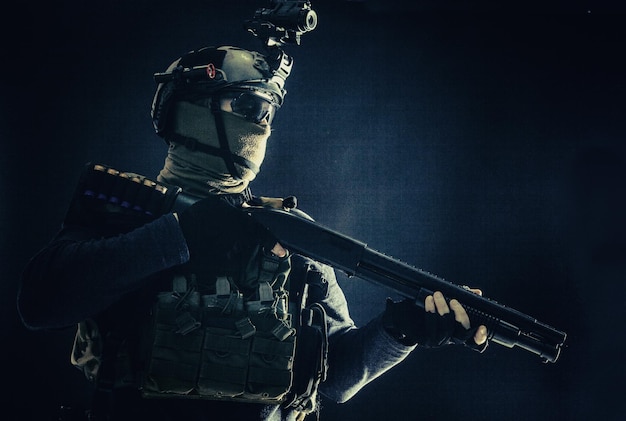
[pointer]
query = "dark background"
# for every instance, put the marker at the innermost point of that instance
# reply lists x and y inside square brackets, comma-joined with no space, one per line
[481,141]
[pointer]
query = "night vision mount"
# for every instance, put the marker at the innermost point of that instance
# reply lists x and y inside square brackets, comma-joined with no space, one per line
[282,23]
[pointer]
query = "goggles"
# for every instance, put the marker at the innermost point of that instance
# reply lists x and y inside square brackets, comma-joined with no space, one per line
[251,106]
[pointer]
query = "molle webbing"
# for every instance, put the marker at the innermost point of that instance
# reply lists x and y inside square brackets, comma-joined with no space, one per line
[105,189]
[220,346]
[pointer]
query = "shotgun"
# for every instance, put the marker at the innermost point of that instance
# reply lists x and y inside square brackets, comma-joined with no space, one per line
[506,326]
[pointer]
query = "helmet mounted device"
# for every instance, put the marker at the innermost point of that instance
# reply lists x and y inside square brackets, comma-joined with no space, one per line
[254,83]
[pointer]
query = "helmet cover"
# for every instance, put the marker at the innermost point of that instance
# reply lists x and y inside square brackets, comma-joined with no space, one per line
[211,70]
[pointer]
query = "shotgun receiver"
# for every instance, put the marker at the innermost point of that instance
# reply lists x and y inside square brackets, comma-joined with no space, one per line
[506,326]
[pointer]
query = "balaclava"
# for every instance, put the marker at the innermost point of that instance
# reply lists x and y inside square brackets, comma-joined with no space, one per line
[213,151]
[201,173]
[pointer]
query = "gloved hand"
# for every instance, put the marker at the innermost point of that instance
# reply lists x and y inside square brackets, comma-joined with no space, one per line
[437,324]
[221,235]
[264,266]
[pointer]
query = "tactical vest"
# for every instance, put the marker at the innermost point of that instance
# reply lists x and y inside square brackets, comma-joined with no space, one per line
[205,339]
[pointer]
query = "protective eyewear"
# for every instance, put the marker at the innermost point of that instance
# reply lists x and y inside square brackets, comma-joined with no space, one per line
[248,105]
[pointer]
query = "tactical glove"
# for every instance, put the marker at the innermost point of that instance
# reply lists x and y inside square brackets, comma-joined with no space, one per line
[221,235]
[412,325]
[263,266]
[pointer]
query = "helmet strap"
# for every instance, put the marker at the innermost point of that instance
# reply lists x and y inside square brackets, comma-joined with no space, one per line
[237,146]
[226,154]
[193,145]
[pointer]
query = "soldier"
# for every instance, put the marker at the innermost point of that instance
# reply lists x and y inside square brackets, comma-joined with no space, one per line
[194,311]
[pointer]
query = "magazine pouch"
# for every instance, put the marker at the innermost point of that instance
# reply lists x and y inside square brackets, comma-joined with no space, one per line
[219,347]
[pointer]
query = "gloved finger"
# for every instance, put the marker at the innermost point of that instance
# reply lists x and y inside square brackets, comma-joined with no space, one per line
[263,237]
[441,304]
[460,315]
[278,250]
[438,329]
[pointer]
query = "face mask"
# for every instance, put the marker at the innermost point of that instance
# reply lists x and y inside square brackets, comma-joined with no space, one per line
[202,173]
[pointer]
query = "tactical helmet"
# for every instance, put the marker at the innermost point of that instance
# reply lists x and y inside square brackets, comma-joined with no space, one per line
[210,70]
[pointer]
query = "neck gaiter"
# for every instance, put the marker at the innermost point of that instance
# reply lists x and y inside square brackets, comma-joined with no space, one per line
[200,173]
